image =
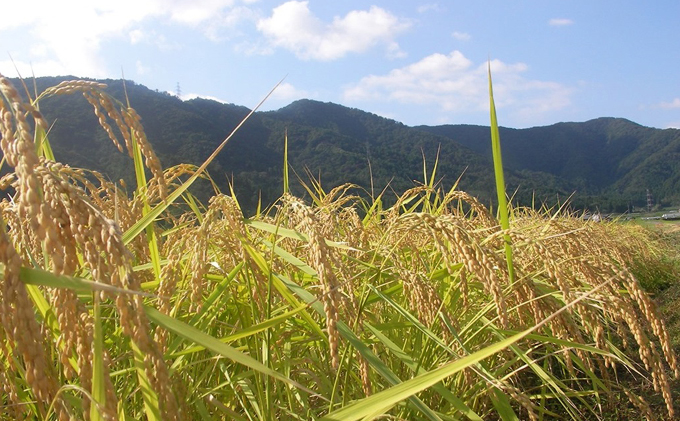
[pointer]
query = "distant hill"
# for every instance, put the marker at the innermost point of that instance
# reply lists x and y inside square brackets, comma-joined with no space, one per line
[607,156]
[608,162]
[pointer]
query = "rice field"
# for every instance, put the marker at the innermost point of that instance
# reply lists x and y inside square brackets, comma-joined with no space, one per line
[146,304]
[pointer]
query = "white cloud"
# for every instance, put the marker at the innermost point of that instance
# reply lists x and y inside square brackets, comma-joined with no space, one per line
[151,37]
[293,26]
[196,12]
[141,68]
[27,69]
[452,83]
[288,92]
[669,105]
[136,36]
[560,22]
[434,7]
[68,35]
[461,36]
[190,96]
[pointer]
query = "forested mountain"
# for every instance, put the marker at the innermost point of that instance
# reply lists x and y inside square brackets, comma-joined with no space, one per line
[609,157]
[609,163]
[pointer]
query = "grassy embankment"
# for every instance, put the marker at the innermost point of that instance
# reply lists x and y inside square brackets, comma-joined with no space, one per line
[151,305]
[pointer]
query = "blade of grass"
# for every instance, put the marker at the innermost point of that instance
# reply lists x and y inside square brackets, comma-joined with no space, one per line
[405,358]
[500,180]
[32,276]
[98,383]
[249,331]
[381,402]
[149,396]
[285,162]
[215,345]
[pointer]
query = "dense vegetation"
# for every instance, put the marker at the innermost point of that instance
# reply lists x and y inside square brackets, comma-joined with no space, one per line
[153,305]
[608,163]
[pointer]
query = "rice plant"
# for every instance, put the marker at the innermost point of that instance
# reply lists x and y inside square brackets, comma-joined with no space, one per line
[146,304]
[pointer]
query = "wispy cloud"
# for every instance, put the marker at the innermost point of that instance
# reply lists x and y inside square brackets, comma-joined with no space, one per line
[461,36]
[560,22]
[141,68]
[288,92]
[151,37]
[675,103]
[294,27]
[451,83]
[429,7]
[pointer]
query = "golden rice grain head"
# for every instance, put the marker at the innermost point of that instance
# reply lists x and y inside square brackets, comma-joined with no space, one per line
[640,404]
[452,237]
[125,118]
[654,319]
[170,275]
[364,371]
[135,324]
[198,265]
[477,260]
[482,214]
[103,251]
[646,350]
[222,215]
[150,159]
[101,116]
[8,384]
[7,134]
[9,91]
[231,235]
[17,317]
[70,86]
[337,198]
[520,397]
[320,259]
[20,150]
[395,210]
[462,278]
[65,306]
[423,298]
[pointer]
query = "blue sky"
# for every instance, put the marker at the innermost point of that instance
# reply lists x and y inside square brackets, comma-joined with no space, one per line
[418,62]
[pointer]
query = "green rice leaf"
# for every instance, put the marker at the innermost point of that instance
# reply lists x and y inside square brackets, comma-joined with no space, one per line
[500,180]
[98,381]
[215,345]
[381,402]
[286,187]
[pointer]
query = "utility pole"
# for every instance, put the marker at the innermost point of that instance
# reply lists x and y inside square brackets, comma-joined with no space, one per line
[649,201]
[179,91]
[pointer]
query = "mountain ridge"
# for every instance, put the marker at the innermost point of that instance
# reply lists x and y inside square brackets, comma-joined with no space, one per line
[609,162]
